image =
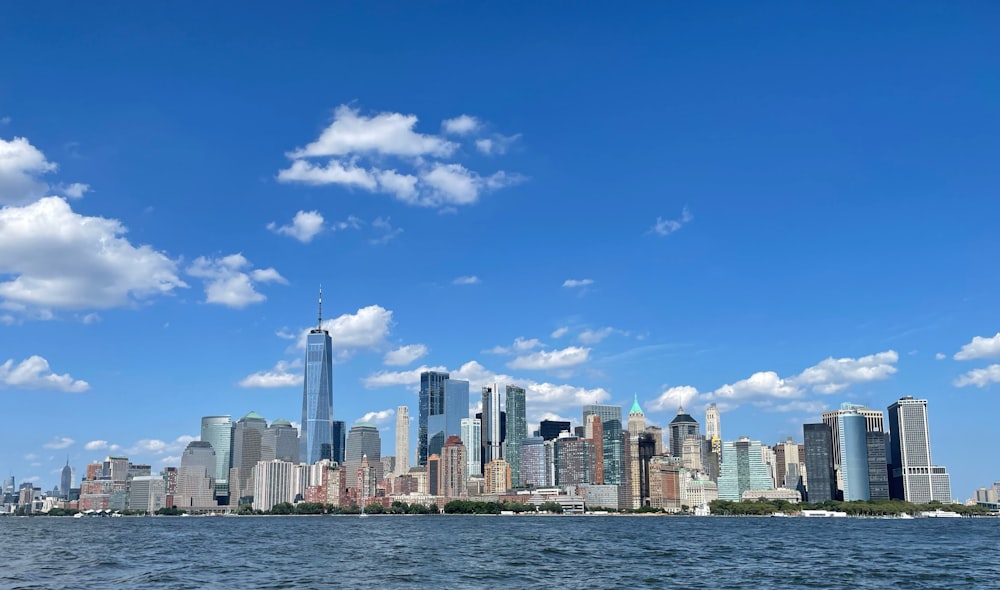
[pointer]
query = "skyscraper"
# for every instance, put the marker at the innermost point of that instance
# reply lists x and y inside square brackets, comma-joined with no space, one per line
[853,455]
[550,429]
[533,472]
[874,422]
[472,430]
[248,433]
[743,469]
[363,441]
[443,404]
[317,394]
[280,441]
[196,479]
[66,480]
[878,472]
[682,426]
[614,449]
[339,441]
[914,477]
[453,468]
[636,418]
[713,422]
[402,440]
[517,431]
[819,462]
[491,424]
[218,431]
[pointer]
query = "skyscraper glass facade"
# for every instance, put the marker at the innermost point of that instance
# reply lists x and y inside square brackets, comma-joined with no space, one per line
[819,462]
[517,431]
[614,449]
[743,469]
[218,431]
[471,438]
[317,398]
[853,456]
[431,402]
[914,477]
[363,440]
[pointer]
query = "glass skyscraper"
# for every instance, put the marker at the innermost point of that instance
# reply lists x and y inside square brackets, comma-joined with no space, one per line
[818,439]
[362,441]
[218,431]
[743,469]
[444,402]
[317,395]
[517,431]
[853,456]
[614,448]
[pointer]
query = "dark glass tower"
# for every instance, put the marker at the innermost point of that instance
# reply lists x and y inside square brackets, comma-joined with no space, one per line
[614,448]
[317,395]
[431,403]
[517,431]
[339,440]
[818,439]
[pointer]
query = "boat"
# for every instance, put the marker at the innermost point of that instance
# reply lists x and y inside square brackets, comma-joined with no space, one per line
[823,514]
[940,514]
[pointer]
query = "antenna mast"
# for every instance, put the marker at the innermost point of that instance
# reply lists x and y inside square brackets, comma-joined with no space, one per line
[319,324]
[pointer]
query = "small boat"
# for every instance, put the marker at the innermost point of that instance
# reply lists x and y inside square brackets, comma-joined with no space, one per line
[940,514]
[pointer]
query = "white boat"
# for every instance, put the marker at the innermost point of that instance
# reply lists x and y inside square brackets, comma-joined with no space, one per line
[940,514]
[823,514]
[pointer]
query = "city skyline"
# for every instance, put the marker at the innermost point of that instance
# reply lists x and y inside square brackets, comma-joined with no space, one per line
[777,225]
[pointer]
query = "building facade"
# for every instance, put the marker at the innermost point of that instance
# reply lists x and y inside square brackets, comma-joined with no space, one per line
[317,394]
[402,440]
[914,476]
[218,431]
[743,469]
[363,441]
[818,440]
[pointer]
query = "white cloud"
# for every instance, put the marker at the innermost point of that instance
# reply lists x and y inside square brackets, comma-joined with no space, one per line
[665,227]
[595,336]
[672,398]
[454,184]
[96,445]
[34,373]
[305,226]
[285,334]
[520,345]
[832,375]
[284,374]
[56,258]
[367,328]
[560,332]
[335,172]
[409,378]
[5,120]
[980,348]
[227,284]
[980,377]
[386,231]
[460,125]
[402,186]
[554,359]
[377,417]
[170,460]
[497,144]
[940,356]
[574,283]
[384,134]
[75,190]
[405,355]
[20,165]
[466,280]
[58,443]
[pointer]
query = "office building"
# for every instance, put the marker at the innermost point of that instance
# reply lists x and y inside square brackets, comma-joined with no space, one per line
[196,478]
[317,394]
[818,440]
[713,422]
[443,403]
[613,445]
[65,481]
[402,440]
[218,431]
[550,429]
[454,468]
[339,441]
[248,434]
[878,470]
[636,418]
[914,476]
[492,439]
[683,425]
[434,474]
[517,431]
[363,441]
[574,459]
[533,472]
[743,469]
[874,422]
[275,482]
[853,455]
[472,430]
[497,477]
[147,493]
[280,441]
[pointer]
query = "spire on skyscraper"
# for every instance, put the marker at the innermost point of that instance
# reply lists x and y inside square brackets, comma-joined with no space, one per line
[319,321]
[636,409]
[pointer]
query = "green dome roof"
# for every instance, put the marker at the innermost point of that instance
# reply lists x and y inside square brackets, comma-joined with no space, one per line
[281,422]
[253,416]
[635,407]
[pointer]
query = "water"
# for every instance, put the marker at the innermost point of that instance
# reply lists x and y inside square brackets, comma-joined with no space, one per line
[490,551]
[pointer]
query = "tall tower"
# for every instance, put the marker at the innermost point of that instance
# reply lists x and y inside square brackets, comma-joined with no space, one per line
[453,468]
[517,431]
[636,419]
[682,426]
[914,477]
[218,431]
[613,447]
[472,431]
[66,480]
[491,424]
[853,456]
[363,441]
[713,422]
[317,394]
[818,441]
[431,403]
[402,440]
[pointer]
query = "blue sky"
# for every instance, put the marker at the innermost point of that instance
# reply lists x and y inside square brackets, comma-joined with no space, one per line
[778,208]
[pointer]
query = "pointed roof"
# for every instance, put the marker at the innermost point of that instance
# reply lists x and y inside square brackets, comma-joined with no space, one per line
[635,407]
[683,417]
[253,416]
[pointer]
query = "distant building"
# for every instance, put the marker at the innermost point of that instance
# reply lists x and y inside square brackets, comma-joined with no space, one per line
[573,460]
[402,440]
[65,481]
[454,465]
[218,431]
[713,422]
[853,455]
[613,445]
[878,469]
[472,430]
[274,482]
[339,441]
[682,426]
[874,422]
[434,475]
[492,437]
[636,418]
[743,469]
[914,476]
[280,441]
[533,472]
[147,493]
[517,431]
[196,478]
[248,434]
[819,462]
[443,404]
[550,429]
[497,476]
[363,441]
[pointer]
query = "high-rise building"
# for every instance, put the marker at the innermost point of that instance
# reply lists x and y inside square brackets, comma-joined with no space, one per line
[472,430]
[454,466]
[914,476]
[497,476]
[743,469]
[550,429]
[196,478]
[66,480]
[517,431]
[339,441]
[853,455]
[317,394]
[431,399]
[657,433]
[878,471]
[874,422]
[248,434]
[363,441]
[636,418]
[274,482]
[491,439]
[594,432]
[614,450]
[818,441]
[443,404]
[574,459]
[147,493]
[280,441]
[218,431]
[402,440]
[533,472]
[683,425]
[713,422]
[434,474]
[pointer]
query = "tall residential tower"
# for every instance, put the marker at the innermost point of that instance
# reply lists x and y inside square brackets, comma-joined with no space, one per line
[402,440]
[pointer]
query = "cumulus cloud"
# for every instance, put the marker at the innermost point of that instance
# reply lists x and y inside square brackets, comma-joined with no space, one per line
[284,374]
[305,226]
[940,356]
[96,445]
[20,166]
[520,345]
[595,336]
[377,417]
[56,258]
[466,280]
[832,375]
[230,282]
[575,283]
[356,147]
[980,348]
[58,443]
[560,332]
[367,328]
[75,190]
[34,373]
[979,377]
[665,227]
[673,397]
[460,125]
[405,355]
[553,359]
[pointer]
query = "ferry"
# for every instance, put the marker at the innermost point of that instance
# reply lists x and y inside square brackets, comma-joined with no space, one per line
[940,514]
[823,514]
